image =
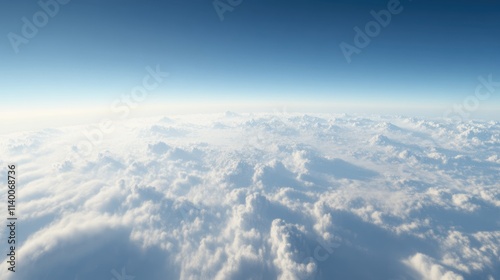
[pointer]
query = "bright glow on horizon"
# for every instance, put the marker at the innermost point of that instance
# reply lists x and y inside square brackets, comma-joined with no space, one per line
[17,120]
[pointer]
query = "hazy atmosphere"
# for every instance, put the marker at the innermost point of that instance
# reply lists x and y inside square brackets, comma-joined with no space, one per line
[236,139]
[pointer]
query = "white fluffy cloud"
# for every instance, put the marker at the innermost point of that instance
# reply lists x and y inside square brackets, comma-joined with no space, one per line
[259,197]
[429,270]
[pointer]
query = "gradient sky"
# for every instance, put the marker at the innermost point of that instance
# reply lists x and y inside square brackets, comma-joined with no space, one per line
[93,51]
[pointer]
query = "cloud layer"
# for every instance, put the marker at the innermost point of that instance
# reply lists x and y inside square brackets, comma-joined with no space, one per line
[282,196]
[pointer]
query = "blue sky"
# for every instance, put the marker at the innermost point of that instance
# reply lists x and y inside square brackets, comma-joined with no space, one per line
[91,52]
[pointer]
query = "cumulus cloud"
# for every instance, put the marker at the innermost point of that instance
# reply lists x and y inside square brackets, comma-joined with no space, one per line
[429,270]
[234,196]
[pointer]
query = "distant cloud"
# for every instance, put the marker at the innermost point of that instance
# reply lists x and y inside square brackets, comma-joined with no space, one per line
[238,196]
